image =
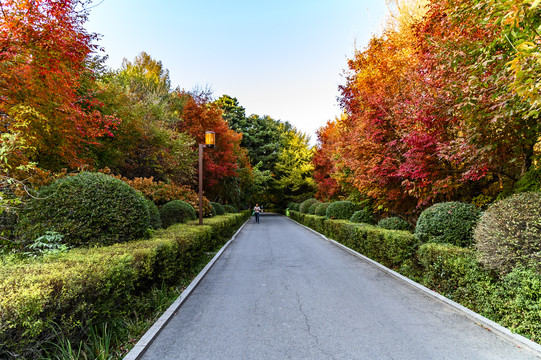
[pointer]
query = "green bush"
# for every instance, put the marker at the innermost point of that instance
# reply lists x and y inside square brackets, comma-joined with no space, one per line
[154,213]
[87,209]
[176,211]
[297,207]
[448,222]
[509,233]
[340,210]
[291,206]
[218,208]
[321,209]
[394,223]
[230,209]
[305,205]
[362,216]
[312,208]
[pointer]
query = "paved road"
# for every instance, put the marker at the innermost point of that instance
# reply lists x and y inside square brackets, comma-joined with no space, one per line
[281,292]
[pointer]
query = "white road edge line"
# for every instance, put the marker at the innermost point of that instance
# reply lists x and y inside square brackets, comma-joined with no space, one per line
[499,330]
[140,347]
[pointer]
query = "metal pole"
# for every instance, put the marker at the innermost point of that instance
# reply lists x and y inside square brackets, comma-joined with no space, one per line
[201,184]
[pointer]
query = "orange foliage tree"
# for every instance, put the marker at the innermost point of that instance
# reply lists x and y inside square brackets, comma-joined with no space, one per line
[43,49]
[200,115]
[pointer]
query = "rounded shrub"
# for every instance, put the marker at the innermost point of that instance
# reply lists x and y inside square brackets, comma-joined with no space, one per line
[87,209]
[176,211]
[340,210]
[291,206]
[218,208]
[154,213]
[321,209]
[509,233]
[305,205]
[448,222]
[230,209]
[362,216]
[312,208]
[297,207]
[394,223]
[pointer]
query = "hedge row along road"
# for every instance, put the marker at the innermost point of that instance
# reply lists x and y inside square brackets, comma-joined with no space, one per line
[280,291]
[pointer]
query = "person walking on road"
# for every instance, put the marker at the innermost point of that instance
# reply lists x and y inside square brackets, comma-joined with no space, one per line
[257,209]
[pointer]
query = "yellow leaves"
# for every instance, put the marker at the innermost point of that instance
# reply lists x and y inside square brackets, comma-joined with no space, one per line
[534,4]
[404,14]
[527,46]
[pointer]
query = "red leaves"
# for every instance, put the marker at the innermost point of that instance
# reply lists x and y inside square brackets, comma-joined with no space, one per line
[199,116]
[43,48]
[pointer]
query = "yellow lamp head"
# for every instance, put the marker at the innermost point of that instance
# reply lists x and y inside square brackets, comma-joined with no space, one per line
[210,139]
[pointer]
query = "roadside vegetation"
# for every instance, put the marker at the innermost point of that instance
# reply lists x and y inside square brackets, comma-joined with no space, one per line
[432,169]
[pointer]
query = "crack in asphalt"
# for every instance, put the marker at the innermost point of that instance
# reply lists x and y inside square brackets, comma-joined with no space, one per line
[309,328]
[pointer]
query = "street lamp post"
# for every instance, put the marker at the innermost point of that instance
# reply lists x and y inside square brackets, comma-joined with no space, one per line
[210,143]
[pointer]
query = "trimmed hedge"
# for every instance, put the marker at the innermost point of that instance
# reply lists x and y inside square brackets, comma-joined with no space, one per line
[75,289]
[513,301]
[176,211]
[89,209]
[341,210]
[449,222]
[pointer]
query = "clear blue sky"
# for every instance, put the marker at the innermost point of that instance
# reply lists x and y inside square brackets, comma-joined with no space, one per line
[282,58]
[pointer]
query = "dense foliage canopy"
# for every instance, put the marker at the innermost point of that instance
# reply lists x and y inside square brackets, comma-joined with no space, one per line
[443,105]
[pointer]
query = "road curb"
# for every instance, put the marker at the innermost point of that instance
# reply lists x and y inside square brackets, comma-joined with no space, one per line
[145,341]
[499,330]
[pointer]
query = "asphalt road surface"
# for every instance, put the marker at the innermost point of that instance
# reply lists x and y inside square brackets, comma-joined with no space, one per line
[281,292]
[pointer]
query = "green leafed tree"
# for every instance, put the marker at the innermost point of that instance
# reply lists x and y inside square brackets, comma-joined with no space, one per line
[294,167]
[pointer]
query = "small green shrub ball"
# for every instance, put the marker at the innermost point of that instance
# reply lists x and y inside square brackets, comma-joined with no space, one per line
[176,211]
[88,209]
[321,209]
[230,209]
[362,216]
[342,210]
[218,208]
[305,205]
[394,223]
[312,208]
[448,222]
